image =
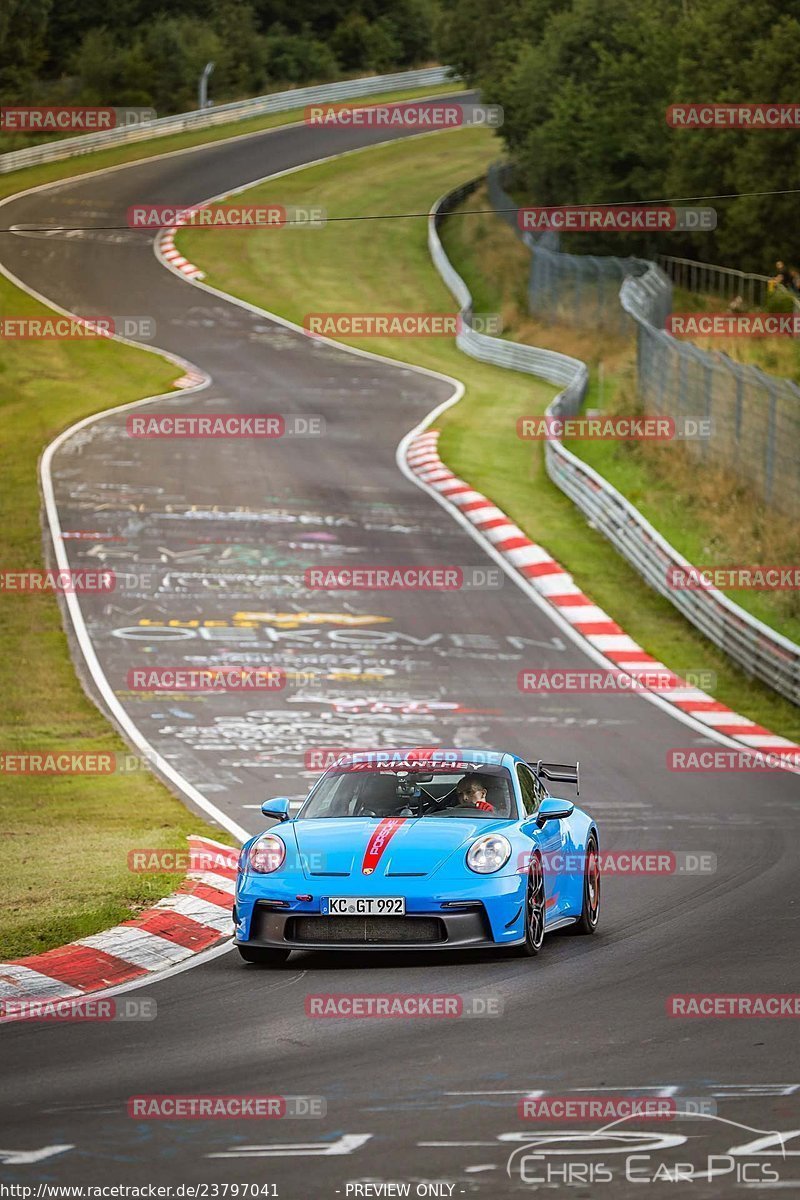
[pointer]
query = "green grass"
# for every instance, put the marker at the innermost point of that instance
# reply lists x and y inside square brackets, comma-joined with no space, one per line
[776,355]
[704,535]
[65,839]
[372,266]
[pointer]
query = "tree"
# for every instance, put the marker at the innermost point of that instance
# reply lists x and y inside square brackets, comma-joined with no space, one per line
[361,44]
[23,47]
[749,53]
[298,58]
[584,106]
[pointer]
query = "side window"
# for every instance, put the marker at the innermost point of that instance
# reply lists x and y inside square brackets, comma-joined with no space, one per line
[532,790]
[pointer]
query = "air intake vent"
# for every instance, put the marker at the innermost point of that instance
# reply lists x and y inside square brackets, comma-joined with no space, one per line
[372,931]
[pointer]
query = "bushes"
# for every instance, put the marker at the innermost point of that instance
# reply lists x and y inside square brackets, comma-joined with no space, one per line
[298,57]
[585,85]
[118,52]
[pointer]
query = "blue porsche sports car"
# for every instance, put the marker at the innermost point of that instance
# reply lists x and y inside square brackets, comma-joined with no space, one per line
[409,848]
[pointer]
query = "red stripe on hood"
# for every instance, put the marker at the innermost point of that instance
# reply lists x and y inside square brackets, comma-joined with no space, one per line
[380,839]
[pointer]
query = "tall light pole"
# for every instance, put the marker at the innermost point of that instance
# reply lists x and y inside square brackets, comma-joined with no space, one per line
[202,87]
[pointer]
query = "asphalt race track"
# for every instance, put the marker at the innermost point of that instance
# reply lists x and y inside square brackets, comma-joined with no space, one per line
[215,537]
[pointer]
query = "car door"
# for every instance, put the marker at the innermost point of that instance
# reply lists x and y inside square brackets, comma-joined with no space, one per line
[550,838]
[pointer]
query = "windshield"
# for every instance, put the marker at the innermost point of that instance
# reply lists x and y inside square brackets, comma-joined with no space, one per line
[351,791]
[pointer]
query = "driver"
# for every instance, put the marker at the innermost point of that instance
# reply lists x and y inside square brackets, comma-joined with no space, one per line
[471,792]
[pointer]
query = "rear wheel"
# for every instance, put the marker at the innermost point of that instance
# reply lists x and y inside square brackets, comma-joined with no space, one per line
[265,956]
[534,910]
[590,913]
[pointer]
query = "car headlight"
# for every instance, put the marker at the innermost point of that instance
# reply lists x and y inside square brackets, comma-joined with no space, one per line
[267,854]
[489,853]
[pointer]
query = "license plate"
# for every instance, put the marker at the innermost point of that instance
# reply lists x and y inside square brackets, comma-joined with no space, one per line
[362,906]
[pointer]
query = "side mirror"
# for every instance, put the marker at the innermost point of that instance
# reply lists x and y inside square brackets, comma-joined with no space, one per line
[279,807]
[554,810]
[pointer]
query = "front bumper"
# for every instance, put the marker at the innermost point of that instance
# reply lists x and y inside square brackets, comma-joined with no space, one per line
[460,915]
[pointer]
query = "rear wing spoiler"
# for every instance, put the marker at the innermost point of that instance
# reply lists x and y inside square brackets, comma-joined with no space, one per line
[558,773]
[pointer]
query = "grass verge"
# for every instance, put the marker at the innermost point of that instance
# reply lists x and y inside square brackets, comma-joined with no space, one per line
[778,356]
[312,273]
[65,839]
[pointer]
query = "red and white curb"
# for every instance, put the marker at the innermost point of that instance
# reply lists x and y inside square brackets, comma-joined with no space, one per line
[194,918]
[557,587]
[191,379]
[169,252]
[165,245]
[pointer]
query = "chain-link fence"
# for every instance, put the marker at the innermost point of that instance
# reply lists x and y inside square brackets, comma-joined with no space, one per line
[747,422]
[754,418]
[575,289]
[581,289]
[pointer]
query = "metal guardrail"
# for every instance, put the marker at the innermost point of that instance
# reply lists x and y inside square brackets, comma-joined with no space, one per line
[761,651]
[705,277]
[222,114]
[547,364]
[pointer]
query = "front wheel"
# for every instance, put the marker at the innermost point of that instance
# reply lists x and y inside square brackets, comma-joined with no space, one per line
[590,913]
[535,904]
[265,956]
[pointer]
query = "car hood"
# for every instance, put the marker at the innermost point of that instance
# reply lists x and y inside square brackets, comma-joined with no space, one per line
[385,848]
